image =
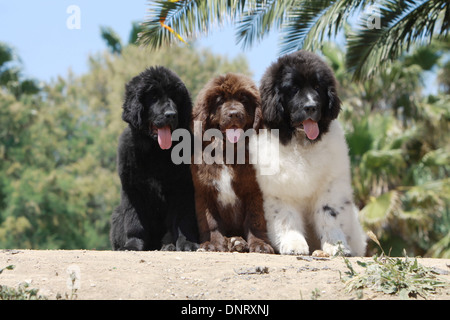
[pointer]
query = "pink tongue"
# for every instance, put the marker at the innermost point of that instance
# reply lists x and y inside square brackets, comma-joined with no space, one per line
[233,135]
[164,137]
[311,129]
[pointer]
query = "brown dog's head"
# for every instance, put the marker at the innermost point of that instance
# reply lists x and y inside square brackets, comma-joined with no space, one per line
[228,103]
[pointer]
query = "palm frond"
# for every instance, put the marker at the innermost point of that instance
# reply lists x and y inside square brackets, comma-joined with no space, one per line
[311,21]
[402,23]
[377,212]
[6,54]
[112,39]
[136,28]
[171,20]
[260,17]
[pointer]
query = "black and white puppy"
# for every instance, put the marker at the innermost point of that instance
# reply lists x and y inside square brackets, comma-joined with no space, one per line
[157,208]
[308,201]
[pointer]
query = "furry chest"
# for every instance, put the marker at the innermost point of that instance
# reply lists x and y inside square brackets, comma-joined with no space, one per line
[301,171]
[226,195]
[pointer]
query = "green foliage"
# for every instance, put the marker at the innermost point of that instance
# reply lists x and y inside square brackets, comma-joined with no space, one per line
[307,24]
[58,180]
[22,292]
[402,23]
[186,17]
[398,141]
[10,267]
[112,39]
[11,77]
[403,277]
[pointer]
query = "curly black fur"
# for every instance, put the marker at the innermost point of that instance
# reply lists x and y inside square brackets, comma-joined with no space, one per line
[157,207]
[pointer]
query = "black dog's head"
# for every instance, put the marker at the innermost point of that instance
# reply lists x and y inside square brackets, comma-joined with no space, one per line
[156,103]
[298,92]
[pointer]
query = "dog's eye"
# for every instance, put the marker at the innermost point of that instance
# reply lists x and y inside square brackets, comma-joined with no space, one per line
[316,87]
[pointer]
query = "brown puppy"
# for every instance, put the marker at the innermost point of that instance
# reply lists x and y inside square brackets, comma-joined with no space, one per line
[227,196]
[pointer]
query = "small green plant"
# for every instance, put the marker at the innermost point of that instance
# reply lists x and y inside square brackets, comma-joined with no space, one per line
[404,277]
[10,267]
[315,294]
[73,293]
[21,293]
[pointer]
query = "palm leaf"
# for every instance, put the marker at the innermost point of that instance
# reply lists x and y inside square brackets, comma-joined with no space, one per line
[112,39]
[304,24]
[441,249]
[171,20]
[257,21]
[377,212]
[6,54]
[403,22]
[136,28]
[310,22]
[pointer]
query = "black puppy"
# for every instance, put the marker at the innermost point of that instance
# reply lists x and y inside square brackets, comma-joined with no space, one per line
[157,209]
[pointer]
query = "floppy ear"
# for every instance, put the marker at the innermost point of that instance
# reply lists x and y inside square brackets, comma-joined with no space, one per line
[200,112]
[132,107]
[257,122]
[185,109]
[334,103]
[272,105]
[257,119]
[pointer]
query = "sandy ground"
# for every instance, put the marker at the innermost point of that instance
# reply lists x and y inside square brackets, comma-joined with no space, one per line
[105,275]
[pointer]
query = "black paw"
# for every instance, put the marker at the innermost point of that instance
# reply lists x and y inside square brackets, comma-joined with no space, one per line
[168,247]
[184,244]
[134,244]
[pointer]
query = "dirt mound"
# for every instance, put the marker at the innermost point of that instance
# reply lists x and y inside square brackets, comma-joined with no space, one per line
[88,275]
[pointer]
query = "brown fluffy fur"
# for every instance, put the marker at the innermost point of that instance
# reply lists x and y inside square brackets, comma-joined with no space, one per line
[220,98]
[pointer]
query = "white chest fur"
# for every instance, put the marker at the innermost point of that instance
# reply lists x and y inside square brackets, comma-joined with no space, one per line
[226,194]
[304,171]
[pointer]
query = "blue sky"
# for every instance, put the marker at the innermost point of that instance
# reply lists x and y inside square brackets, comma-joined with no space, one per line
[37,30]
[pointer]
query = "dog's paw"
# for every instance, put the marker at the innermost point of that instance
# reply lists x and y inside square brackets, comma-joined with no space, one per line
[260,246]
[134,244]
[237,244]
[336,249]
[184,244]
[213,246]
[294,244]
[168,247]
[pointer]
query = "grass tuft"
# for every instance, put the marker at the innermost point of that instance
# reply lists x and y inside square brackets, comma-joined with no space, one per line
[404,277]
[22,292]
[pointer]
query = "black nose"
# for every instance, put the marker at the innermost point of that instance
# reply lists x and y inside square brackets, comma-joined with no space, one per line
[310,109]
[170,115]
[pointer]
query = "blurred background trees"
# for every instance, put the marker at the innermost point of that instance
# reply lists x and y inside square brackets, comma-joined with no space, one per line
[58,140]
[11,78]
[399,144]
[58,180]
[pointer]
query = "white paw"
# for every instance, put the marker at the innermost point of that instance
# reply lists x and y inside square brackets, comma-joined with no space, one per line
[294,244]
[336,249]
